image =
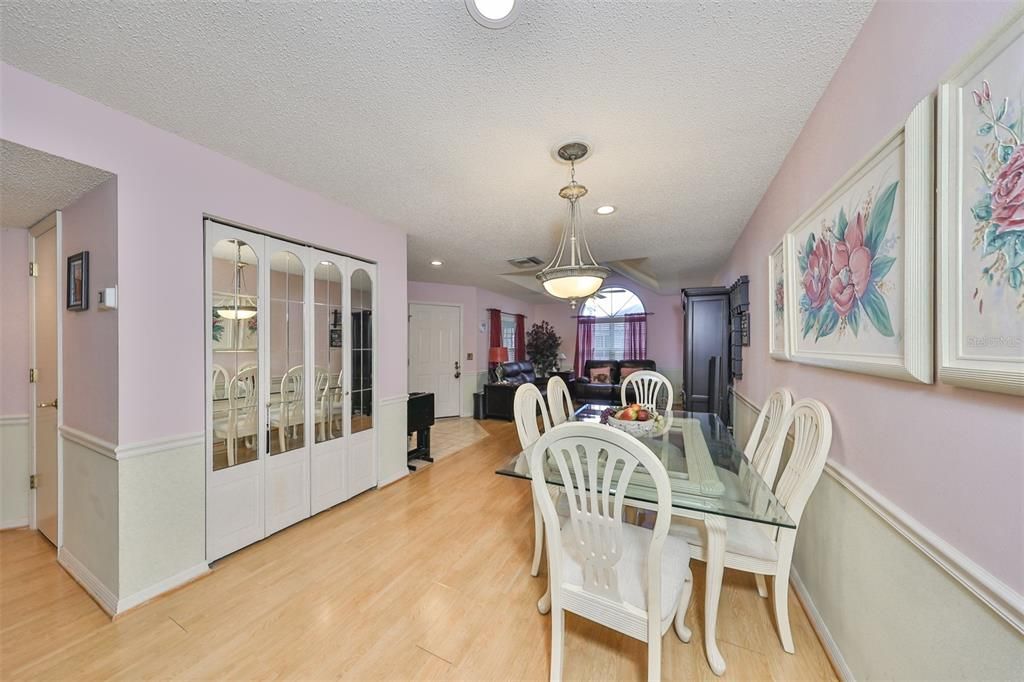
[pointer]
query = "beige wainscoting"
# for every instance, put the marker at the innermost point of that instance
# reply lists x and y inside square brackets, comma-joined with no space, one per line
[15,467]
[883,607]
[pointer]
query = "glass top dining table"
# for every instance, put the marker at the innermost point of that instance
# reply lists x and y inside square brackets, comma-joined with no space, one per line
[708,473]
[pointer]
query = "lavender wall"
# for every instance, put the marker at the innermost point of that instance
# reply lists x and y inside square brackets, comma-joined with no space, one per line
[951,458]
[15,246]
[90,376]
[165,185]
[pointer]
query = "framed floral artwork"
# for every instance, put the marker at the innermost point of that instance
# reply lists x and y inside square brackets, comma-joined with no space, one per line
[858,265]
[778,343]
[981,217]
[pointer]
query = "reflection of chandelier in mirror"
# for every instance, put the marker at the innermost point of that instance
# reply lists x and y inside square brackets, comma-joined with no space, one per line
[238,310]
[573,273]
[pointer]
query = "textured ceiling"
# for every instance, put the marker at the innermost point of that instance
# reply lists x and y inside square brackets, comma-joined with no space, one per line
[411,112]
[34,184]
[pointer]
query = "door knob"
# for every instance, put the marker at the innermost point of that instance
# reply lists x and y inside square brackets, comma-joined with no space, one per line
[458,369]
[53,404]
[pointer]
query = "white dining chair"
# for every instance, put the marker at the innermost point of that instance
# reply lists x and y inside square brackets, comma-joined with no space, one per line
[526,403]
[759,445]
[559,401]
[219,382]
[322,399]
[289,413]
[648,386]
[632,579]
[243,418]
[768,550]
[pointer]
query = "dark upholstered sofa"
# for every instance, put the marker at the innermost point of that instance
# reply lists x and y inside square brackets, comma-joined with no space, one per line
[609,390]
[499,399]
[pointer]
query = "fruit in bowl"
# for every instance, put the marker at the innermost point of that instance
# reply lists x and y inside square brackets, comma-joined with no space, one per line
[634,419]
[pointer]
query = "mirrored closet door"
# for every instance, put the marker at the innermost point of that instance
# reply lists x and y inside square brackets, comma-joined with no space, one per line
[290,367]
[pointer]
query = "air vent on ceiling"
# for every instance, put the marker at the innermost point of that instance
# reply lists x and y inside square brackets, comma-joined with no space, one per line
[525,262]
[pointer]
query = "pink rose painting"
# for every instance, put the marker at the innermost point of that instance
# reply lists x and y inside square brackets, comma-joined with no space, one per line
[843,269]
[999,211]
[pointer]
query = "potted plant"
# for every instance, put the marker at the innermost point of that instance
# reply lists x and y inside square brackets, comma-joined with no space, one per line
[542,344]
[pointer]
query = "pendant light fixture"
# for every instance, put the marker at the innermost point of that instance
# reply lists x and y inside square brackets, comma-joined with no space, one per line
[573,273]
[238,311]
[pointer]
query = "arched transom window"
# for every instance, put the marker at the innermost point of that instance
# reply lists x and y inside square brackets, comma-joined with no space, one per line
[610,306]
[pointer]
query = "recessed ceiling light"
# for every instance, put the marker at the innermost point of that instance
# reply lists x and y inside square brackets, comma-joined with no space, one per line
[493,13]
[436,263]
[605,210]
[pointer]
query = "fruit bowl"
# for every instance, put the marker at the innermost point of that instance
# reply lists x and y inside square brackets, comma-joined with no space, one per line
[633,419]
[633,428]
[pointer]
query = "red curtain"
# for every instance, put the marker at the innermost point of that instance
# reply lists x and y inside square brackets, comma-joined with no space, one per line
[520,338]
[584,342]
[636,337]
[495,323]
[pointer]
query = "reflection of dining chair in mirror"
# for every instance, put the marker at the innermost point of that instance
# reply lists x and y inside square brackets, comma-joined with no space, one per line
[288,414]
[219,382]
[322,402]
[242,420]
[337,408]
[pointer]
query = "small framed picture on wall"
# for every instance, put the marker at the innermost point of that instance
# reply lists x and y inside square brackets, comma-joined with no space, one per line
[78,281]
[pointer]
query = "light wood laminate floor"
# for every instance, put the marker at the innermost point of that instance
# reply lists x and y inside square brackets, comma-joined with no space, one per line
[425,579]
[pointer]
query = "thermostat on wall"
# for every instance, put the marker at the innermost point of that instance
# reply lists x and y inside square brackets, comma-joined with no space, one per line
[108,298]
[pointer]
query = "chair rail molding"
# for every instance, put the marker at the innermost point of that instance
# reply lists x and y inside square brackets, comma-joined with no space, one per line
[993,592]
[89,441]
[13,419]
[157,445]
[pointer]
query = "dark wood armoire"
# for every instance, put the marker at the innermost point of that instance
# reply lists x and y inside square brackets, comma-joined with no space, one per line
[712,345]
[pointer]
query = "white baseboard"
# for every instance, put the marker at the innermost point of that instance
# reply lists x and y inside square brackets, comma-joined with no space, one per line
[84,577]
[14,523]
[153,591]
[818,623]
[393,479]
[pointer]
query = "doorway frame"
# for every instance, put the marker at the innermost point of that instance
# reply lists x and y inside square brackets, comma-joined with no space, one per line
[462,351]
[52,221]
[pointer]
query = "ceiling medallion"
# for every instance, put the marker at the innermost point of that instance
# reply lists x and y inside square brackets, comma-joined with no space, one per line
[573,273]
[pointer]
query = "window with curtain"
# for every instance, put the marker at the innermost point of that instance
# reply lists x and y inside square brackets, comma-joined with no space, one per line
[508,334]
[618,314]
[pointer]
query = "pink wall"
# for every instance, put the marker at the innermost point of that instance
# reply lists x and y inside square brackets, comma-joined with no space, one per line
[474,302]
[951,458]
[14,346]
[90,336]
[664,328]
[165,185]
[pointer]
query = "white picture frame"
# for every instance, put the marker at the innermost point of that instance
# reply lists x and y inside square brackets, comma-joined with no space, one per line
[778,330]
[980,294]
[887,331]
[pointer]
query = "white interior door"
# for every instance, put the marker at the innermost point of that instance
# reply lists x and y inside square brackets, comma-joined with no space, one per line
[328,473]
[435,352]
[236,392]
[288,448]
[360,413]
[46,311]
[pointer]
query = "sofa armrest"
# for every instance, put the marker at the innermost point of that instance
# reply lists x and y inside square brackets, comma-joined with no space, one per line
[582,380]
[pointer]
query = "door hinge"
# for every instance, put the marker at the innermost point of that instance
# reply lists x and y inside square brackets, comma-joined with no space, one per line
[32,376]
[33,269]
[32,482]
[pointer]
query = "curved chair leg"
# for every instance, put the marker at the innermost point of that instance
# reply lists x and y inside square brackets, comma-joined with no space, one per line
[762,586]
[780,587]
[281,428]
[684,633]
[538,540]
[557,643]
[544,603]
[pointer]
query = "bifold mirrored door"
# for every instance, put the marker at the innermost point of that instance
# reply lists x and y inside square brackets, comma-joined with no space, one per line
[290,367]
